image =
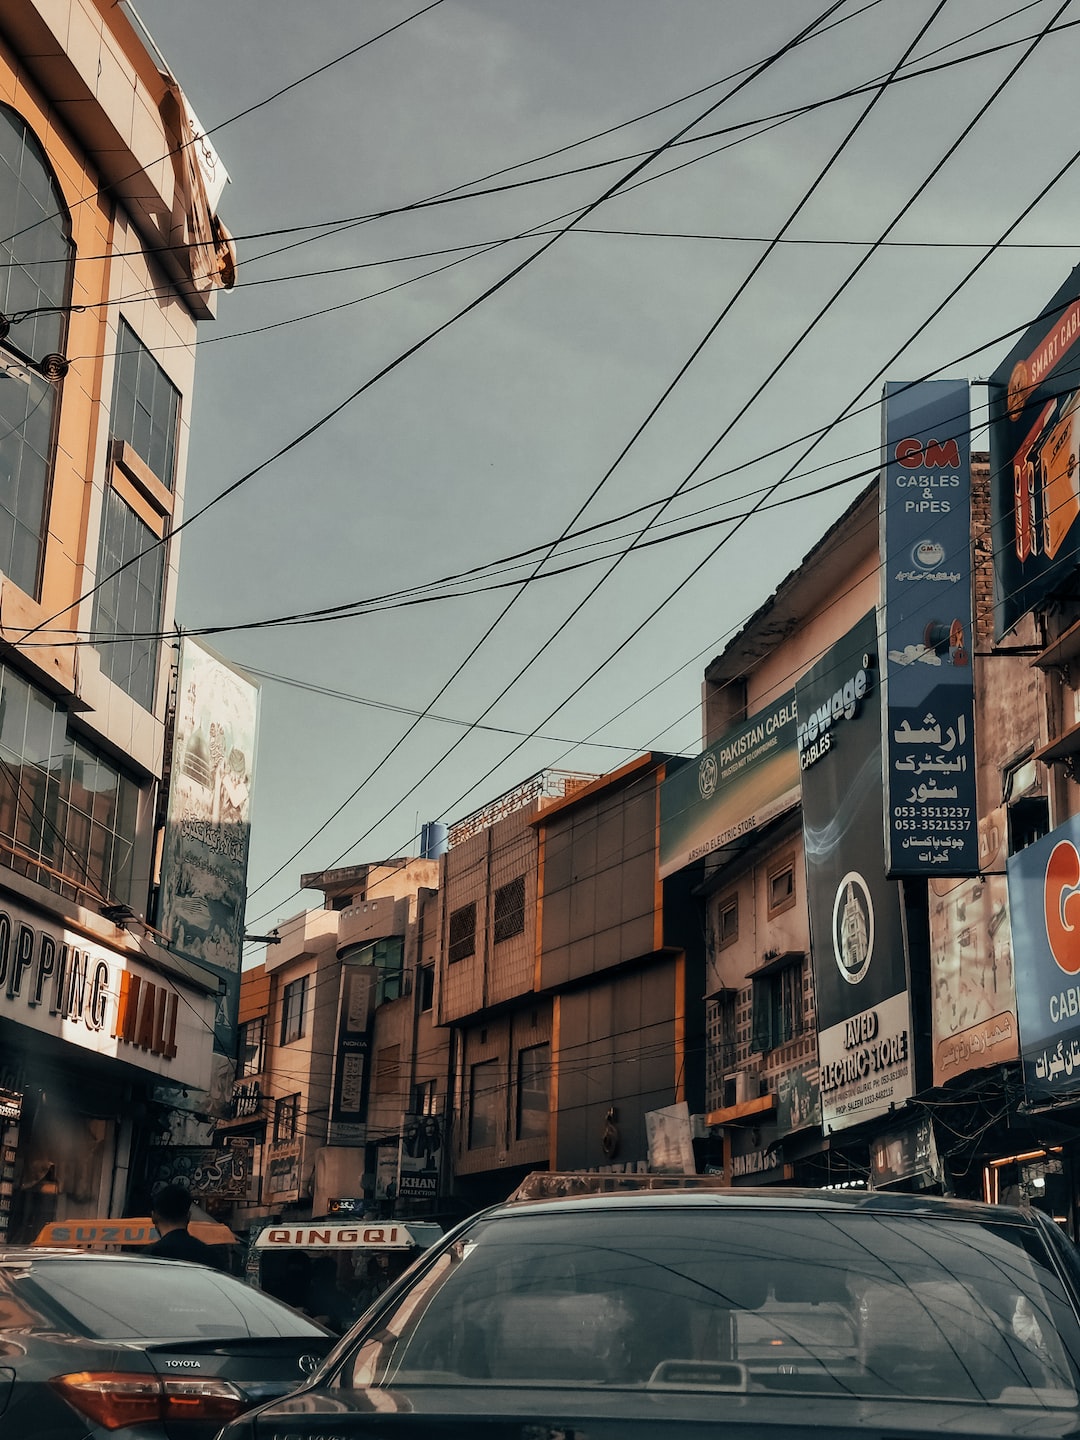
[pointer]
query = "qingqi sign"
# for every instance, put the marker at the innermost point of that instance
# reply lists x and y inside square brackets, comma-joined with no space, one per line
[335,1237]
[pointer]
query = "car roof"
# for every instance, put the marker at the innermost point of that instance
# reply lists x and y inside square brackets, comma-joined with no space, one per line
[35,1254]
[765,1198]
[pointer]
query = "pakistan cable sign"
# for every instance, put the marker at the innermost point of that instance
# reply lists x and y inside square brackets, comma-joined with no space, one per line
[928,694]
[747,778]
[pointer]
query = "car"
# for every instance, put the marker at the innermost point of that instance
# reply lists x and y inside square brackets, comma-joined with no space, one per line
[817,1314]
[138,1347]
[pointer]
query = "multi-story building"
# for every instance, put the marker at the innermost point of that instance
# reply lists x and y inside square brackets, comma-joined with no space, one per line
[111,254]
[337,1053]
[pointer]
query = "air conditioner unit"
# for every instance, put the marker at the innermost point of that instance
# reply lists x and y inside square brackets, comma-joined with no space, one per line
[740,1086]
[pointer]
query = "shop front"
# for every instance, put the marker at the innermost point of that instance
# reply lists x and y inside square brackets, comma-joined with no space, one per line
[92,1019]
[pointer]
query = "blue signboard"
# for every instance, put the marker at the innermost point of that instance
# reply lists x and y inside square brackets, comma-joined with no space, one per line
[931,823]
[1044,903]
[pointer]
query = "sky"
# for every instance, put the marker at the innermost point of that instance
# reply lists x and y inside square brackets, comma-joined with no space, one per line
[697,252]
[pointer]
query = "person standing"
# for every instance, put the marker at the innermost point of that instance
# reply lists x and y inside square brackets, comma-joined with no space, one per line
[170,1211]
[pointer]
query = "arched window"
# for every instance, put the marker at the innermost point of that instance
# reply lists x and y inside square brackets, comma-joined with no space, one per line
[36,263]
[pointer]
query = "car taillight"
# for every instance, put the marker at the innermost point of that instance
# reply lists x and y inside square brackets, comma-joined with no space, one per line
[114,1399]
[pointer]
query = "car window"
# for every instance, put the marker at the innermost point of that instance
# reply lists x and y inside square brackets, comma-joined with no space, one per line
[822,1302]
[159,1301]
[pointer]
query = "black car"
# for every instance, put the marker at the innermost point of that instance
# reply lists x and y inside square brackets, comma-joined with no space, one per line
[736,1313]
[139,1348]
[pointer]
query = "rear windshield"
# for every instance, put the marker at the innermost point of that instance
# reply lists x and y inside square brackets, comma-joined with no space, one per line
[129,1300]
[860,1304]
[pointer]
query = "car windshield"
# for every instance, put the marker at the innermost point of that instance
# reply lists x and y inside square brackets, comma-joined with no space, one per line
[800,1301]
[124,1300]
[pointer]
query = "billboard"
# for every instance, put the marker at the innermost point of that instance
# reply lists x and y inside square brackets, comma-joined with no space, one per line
[208,821]
[746,779]
[1034,445]
[1044,903]
[928,691]
[856,924]
[971,963]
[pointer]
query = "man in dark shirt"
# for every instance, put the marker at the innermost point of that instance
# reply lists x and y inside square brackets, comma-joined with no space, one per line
[170,1211]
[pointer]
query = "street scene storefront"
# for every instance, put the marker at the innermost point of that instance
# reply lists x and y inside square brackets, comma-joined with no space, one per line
[92,1020]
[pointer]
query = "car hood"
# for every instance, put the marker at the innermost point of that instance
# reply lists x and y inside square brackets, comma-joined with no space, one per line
[606,1413]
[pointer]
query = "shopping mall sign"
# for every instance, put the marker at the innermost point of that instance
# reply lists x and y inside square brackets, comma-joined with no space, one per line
[59,982]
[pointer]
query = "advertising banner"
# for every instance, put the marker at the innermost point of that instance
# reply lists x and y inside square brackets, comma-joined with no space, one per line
[421,1153]
[746,779]
[208,821]
[1034,443]
[348,1103]
[971,964]
[798,1100]
[282,1182]
[910,1153]
[1044,904]
[928,691]
[856,924]
[667,1132]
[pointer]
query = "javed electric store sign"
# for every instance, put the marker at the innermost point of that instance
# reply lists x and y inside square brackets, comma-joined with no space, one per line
[58,984]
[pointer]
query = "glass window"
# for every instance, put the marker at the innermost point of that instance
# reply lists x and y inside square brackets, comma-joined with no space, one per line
[427,987]
[292,1010]
[509,918]
[131,569]
[781,885]
[462,933]
[484,1105]
[777,1007]
[36,264]
[286,1117]
[534,1076]
[728,921]
[79,1297]
[67,815]
[252,1044]
[758,1301]
[145,406]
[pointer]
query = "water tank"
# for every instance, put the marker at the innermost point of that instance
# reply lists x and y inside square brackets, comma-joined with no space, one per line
[433,840]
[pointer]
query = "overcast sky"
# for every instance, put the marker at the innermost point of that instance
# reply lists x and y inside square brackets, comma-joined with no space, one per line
[491,438]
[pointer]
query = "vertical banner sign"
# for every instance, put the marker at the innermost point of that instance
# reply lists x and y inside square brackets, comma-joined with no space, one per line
[208,822]
[856,928]
[348,1104]
[928,692]
[1034,476]
[1044,903]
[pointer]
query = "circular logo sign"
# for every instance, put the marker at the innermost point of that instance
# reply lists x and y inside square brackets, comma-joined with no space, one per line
[707,776]
[853,927]
[1061,906]
[928,554]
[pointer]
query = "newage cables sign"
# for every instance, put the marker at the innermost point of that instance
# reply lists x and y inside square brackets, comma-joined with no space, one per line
[856,930]
[746,779]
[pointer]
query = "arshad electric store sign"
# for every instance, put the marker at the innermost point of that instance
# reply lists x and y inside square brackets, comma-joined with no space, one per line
[58,982]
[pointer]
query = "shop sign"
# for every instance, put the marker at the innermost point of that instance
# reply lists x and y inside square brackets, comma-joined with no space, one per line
[928,688]
[58,982]
[750,776]
[246,1100]
[856,924]
[907,1154]
[1044,902]
[335,1237]
[1035,503]
[282,1180]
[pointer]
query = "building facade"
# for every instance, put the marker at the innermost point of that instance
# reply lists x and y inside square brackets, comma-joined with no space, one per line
[111,255]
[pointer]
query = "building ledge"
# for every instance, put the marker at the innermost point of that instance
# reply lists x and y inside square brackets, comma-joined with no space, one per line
[748,1110]
[1065,745]
[1060,651]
